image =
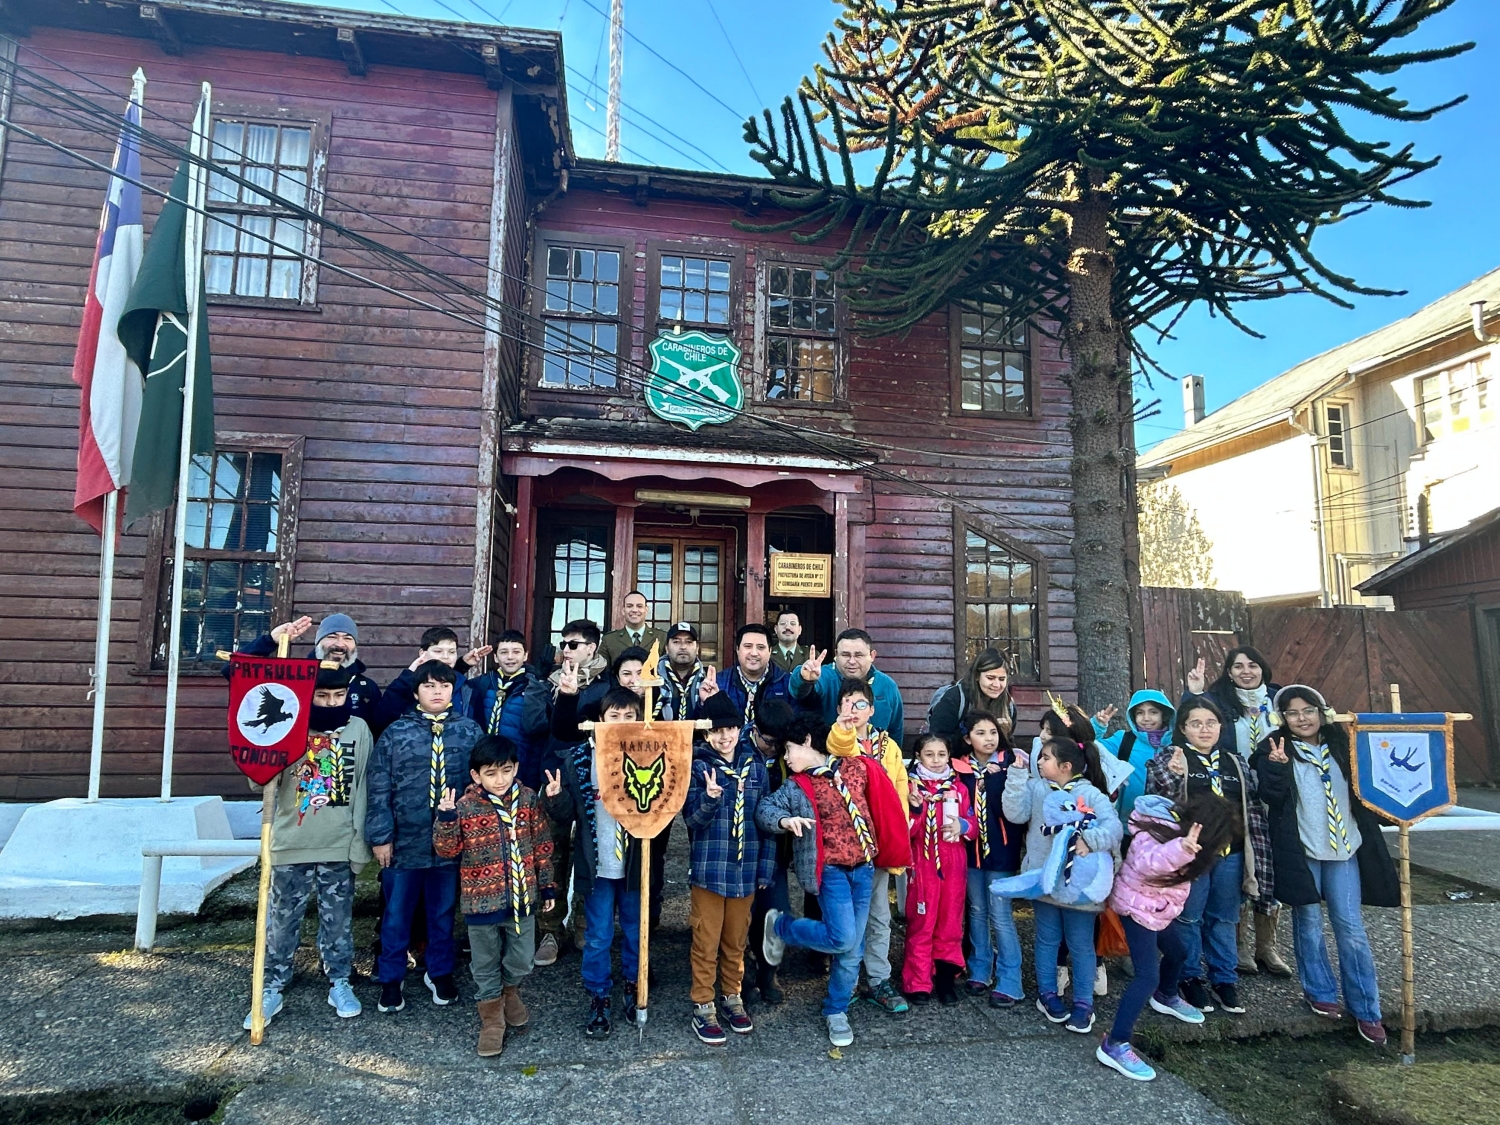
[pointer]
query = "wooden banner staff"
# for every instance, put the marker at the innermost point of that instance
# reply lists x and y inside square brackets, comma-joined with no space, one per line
[263,895]
[649,682]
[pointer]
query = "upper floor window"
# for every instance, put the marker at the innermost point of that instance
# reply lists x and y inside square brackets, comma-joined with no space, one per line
[998,601]
[581,316]
[992,363]
[1455,401]
[241,534]
[693,290]
[1340,456]
[255,249]
[802,334]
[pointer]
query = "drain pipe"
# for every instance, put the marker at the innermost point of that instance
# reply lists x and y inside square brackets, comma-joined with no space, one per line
[1317,467]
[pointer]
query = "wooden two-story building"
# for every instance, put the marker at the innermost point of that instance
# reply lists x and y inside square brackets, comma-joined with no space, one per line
[632,388]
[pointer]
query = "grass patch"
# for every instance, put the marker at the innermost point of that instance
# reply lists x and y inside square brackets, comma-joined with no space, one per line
[1434,1093]
[195,1103]
[1277,1080]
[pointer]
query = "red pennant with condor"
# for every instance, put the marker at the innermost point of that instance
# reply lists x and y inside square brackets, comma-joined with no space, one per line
[270,703]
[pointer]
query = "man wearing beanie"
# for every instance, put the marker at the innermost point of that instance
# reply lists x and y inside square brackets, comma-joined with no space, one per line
[336,640]
[318,845]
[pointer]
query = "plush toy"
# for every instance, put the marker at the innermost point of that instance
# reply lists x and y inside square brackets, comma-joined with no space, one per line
[1066,878]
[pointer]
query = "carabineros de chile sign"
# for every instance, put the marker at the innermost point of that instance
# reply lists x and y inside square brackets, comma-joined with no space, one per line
[695,379]
[269,708]
[1403,764]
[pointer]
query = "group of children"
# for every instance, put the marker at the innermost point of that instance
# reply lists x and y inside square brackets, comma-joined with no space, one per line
[973,822]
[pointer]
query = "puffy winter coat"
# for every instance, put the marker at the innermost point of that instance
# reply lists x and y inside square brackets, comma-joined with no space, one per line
[1146,859]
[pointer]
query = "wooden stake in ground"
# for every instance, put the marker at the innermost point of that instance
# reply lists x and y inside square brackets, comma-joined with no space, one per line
[263,894]
[644,770]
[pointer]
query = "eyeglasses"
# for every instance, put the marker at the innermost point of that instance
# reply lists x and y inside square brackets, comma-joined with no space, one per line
[860,705]
[1301,713]
[1200,724]
[573,644]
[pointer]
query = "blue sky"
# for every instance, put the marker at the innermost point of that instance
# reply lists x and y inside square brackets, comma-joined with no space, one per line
[1426,252]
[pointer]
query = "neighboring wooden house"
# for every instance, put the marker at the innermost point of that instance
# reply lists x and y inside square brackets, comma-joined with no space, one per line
[412,470]
[1313,482]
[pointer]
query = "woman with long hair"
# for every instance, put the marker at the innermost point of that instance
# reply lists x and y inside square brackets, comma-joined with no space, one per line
[984,687]
[1330,855]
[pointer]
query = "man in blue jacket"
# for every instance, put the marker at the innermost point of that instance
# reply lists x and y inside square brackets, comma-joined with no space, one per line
[753,680]
[817,684]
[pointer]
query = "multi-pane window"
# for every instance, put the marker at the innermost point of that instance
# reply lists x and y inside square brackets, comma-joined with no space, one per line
[802,340]
[993,358]
[682,580]
[580,568]
[653,578]
[253,247]
[581,321]
[1339,454]
[230,567]
[1455,401]
[694,290]
[998,599]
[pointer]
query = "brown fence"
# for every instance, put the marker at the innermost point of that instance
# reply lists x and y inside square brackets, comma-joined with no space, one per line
[1351,654]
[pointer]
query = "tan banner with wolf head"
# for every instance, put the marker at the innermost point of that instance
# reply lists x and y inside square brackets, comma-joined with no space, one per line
[644,772]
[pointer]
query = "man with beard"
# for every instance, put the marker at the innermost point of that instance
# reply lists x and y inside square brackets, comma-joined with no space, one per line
[682,675]
[337,640]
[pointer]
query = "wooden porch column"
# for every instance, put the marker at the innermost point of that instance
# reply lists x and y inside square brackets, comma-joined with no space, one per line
[522,560]
[857,576]
[755,568]
[840,562]
[622,573]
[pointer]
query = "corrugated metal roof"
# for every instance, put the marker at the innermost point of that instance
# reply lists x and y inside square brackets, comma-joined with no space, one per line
[1272,401]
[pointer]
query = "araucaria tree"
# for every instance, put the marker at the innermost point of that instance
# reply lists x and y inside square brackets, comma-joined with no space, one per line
[1100,165]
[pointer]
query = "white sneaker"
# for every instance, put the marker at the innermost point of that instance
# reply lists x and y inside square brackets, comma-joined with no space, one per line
[343,1001]
[270,1006]
[1101,981]
[1064,975]
[772,947]
[839,1032]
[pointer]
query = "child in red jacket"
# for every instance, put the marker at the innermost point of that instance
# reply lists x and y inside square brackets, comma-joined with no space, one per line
[941,820]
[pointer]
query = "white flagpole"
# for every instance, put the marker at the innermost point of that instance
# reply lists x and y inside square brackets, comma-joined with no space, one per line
[100,678]
[193,267]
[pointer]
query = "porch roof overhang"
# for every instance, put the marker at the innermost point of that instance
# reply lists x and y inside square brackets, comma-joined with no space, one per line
[745,468]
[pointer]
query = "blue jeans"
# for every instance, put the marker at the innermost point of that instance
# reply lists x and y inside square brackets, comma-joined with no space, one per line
[1157,956]
[605,898]
[439,887]
[1208,921]
[844,898]
[1338,882]
[1054,925]
[996,959]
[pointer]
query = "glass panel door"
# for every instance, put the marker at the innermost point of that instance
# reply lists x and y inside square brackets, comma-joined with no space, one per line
[574,573]
[682,580]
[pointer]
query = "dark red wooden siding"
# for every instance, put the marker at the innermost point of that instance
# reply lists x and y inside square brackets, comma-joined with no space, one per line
[1469,569]
[387,396]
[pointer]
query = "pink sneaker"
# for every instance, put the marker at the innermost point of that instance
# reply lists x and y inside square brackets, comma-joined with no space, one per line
[1325,1008]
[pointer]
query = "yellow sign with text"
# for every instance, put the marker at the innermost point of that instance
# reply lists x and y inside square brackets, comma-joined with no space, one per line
[801,576]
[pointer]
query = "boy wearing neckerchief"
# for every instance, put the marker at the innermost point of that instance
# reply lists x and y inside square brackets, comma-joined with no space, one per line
[846,819]
[855,734]
[502,839]
[417,758]
[730,860]
[319,846]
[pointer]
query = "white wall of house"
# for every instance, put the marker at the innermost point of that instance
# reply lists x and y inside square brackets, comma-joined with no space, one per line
[1257,510]
[1457,462]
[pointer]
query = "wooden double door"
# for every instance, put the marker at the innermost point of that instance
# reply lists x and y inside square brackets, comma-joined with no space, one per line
[685,578]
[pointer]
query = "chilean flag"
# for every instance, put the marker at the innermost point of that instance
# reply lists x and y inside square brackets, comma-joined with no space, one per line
[111,383]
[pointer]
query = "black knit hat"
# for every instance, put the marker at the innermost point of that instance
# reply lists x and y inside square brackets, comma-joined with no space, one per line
[720,710]
[332,679]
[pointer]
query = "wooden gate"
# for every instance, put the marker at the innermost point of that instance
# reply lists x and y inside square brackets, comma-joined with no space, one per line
[1353,655]
[1183,626]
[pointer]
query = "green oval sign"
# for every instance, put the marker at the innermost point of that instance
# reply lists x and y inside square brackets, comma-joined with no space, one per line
[695,379]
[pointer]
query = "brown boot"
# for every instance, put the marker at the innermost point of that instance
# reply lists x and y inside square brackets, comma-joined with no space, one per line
[491,1027]
[516,1015]
[1267,957]
[1245,942]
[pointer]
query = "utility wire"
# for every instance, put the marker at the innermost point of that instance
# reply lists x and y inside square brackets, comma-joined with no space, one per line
[734,51]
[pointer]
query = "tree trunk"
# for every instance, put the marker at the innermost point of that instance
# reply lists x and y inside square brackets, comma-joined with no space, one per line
[1095,345]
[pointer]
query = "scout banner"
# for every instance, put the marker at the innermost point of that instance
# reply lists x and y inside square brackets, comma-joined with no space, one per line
[269,701]
[644,771]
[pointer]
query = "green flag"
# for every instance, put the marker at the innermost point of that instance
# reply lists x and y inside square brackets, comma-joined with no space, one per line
[153,328]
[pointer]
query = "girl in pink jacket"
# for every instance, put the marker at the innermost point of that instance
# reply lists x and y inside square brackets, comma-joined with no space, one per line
[941,820]
[1167,847]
